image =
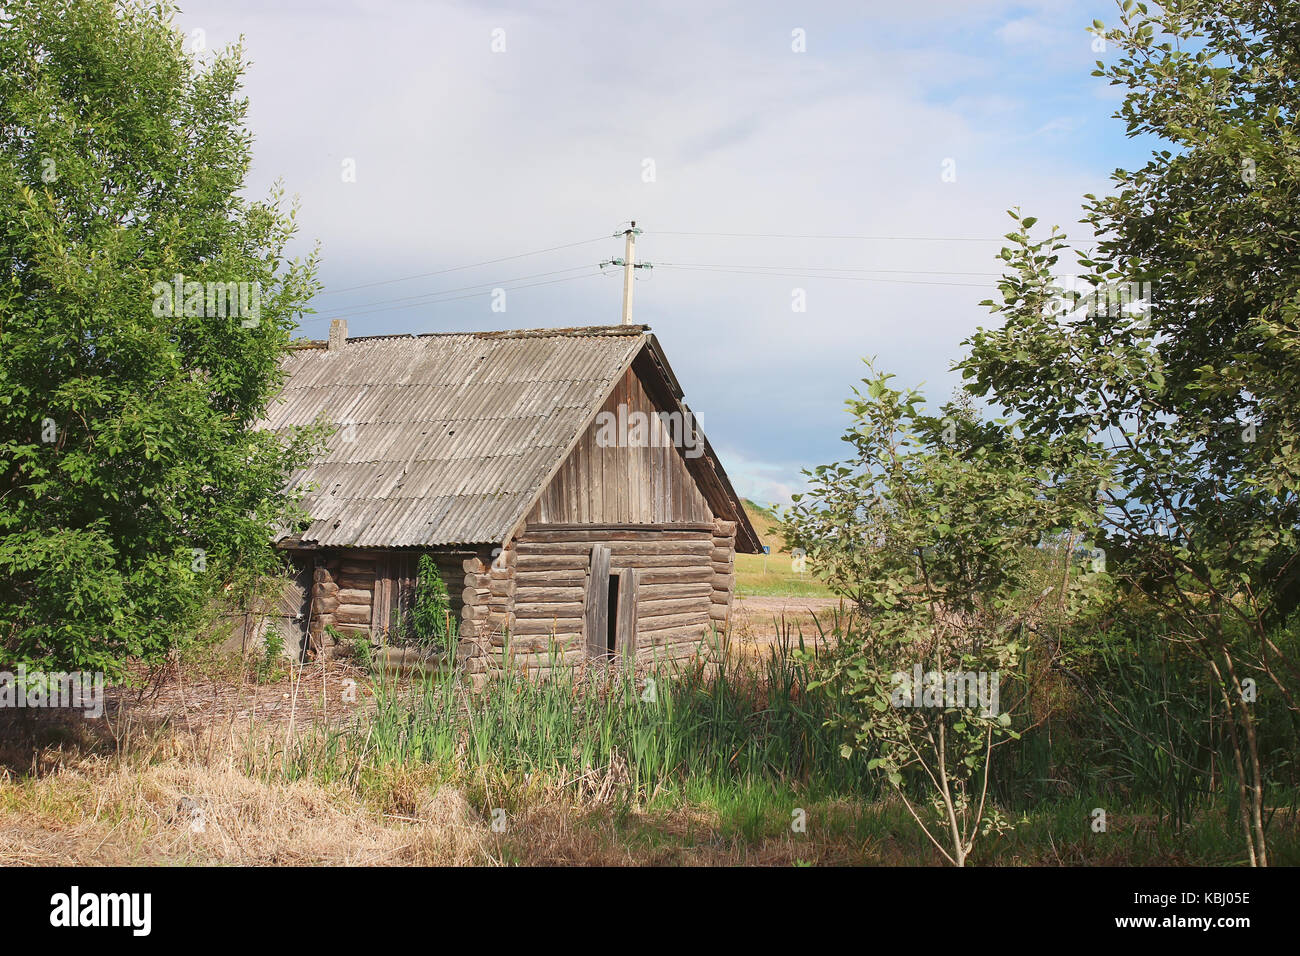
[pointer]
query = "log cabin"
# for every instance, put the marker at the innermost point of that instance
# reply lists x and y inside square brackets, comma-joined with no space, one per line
[555,477]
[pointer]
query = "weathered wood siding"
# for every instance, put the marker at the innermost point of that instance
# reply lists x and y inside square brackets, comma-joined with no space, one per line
[645,483]
[527,603]
[723,561]
[531,605]
[487,605]
[546,574]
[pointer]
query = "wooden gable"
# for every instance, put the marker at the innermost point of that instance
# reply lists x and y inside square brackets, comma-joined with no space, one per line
[641,477]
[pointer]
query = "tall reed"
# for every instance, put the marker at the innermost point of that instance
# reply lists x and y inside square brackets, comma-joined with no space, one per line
[735,721]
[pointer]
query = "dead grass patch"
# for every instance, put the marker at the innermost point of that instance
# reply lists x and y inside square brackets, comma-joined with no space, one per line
[107,811]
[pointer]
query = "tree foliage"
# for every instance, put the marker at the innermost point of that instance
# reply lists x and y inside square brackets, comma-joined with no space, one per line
[133,484]
[930,529]
[1186,393]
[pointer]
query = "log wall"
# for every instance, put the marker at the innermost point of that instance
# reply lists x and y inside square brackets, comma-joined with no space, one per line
[487,604]
[342,593]
[530,609]
[524,605]
[723,561]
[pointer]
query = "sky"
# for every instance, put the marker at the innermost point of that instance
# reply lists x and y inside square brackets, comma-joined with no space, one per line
[817,182]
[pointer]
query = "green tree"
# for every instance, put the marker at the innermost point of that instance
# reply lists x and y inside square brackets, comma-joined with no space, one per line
[1173,362]
[431,615]
[134,486]
[932,531]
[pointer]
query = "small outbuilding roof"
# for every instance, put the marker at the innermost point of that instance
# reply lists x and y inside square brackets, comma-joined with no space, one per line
[449,438]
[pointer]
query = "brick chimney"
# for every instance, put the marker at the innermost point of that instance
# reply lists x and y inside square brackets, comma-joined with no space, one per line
[338,334]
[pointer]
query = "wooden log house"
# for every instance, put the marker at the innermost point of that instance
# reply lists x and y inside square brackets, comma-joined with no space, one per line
[556,477]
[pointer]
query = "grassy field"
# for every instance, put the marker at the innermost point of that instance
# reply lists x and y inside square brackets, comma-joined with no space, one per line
[136,811]
[771,575]
[245,763]
[723,767]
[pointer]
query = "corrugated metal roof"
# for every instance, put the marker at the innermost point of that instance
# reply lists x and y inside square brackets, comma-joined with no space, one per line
[452,434]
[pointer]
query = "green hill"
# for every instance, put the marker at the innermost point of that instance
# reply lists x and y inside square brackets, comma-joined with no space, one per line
[771,575]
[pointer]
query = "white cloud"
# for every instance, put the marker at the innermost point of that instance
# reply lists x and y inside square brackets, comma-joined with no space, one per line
[464,155]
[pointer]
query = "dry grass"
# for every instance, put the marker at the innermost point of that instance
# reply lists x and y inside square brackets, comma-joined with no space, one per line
[170,803]
[181,780]
[109,811]
[179,808]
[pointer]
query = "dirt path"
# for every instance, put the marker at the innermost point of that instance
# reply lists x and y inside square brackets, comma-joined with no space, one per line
[312,695]
[765,604]
[759,619]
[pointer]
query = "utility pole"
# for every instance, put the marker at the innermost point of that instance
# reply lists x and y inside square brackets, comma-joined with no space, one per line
[628,262]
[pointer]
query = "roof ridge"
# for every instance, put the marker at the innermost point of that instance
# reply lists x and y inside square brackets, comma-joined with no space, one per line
[576,331]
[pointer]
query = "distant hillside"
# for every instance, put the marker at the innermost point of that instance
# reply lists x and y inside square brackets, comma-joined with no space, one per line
[764,521]
[772,575]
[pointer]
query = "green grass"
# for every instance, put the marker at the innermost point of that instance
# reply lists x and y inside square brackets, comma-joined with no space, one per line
[771,575]
[730,725]
[714,766]
[760,575]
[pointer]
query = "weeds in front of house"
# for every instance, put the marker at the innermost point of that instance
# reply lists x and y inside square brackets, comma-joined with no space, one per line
[729,763]
[603,732]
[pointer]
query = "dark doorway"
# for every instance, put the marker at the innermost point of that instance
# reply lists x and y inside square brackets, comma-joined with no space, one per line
[611,624]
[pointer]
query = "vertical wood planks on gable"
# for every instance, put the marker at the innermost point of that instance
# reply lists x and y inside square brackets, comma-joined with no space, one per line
[596,617]
[640,477]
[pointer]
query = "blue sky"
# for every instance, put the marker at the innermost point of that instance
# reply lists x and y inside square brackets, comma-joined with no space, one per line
[464,154]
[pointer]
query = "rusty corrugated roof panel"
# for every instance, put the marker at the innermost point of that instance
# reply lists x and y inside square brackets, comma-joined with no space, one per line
[451,435]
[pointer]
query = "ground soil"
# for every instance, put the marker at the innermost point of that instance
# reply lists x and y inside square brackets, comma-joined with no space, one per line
[761,621]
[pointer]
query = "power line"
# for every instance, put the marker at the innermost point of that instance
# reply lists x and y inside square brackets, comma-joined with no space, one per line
[687,267]
[781,235]
[784,235]
[342,311]
[783,271]
[791,275]
[924,272]
[724,235]
[470,295]
[472,265]
[446,295]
